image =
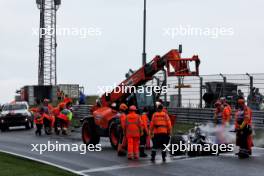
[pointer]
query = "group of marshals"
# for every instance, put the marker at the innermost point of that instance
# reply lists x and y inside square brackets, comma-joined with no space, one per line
[243,123]
[135,129]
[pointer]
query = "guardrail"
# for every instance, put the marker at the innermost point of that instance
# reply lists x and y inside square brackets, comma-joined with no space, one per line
[185,115]
[81,111]
[192,115]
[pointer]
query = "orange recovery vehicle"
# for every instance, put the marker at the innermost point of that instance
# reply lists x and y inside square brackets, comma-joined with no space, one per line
[103,120]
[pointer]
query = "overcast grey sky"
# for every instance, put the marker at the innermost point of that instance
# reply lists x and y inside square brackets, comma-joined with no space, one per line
[103,60]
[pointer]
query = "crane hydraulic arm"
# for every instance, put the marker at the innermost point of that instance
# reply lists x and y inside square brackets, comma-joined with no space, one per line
[172,61]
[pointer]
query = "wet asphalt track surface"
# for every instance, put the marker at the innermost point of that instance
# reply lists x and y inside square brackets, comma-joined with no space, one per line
[106,162]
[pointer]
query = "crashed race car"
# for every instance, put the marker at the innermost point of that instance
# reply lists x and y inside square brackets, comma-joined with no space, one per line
[204,140]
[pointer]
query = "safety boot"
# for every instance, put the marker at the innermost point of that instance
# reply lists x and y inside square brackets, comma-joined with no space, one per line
[120,150]
[142,152]
[121,153]
[163,156]
[130,156]
[153,156]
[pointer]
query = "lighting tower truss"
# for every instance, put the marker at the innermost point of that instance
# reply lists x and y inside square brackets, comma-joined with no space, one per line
[47,69]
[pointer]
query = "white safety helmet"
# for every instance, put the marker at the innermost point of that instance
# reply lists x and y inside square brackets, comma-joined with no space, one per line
[113,105]
[158,103]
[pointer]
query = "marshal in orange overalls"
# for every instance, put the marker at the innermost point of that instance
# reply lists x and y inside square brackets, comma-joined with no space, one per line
[122,143]
[218,113]
[38,119]
[133,131]
[243,125]
[160,130]
[227,114]
[144,137]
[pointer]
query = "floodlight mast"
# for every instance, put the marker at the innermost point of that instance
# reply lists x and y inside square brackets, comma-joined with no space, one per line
[47,67]
[144,54]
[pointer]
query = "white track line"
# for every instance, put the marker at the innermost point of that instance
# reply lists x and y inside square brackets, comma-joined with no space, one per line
[158,162]
[44,162]
[114,167]
[259,148]
[135,164]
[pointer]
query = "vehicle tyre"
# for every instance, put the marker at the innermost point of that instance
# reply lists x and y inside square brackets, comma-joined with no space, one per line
[113,134]
[89,134]
[4,128]
[29,125]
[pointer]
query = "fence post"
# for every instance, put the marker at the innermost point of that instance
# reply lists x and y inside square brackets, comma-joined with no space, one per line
[165,83]
[224,84]
[201,92]
[251,83]
[179,92]
[224,87]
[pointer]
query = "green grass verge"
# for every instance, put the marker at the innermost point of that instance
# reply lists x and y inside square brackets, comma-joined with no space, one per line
[182,128]
[14,166]
[91,99]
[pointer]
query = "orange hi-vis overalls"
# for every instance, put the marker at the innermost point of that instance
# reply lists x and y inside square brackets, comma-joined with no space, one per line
[218,116]
[165,110]
[145,138]
[49,114]
[160,124]
[56,111]
[247,113]
[123,120]
[243,119]
[123,141]
[145,122]
[133,132]
[38,119]
[226,115]
[50,118]
[67,100]
[50,107]
[160,130]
